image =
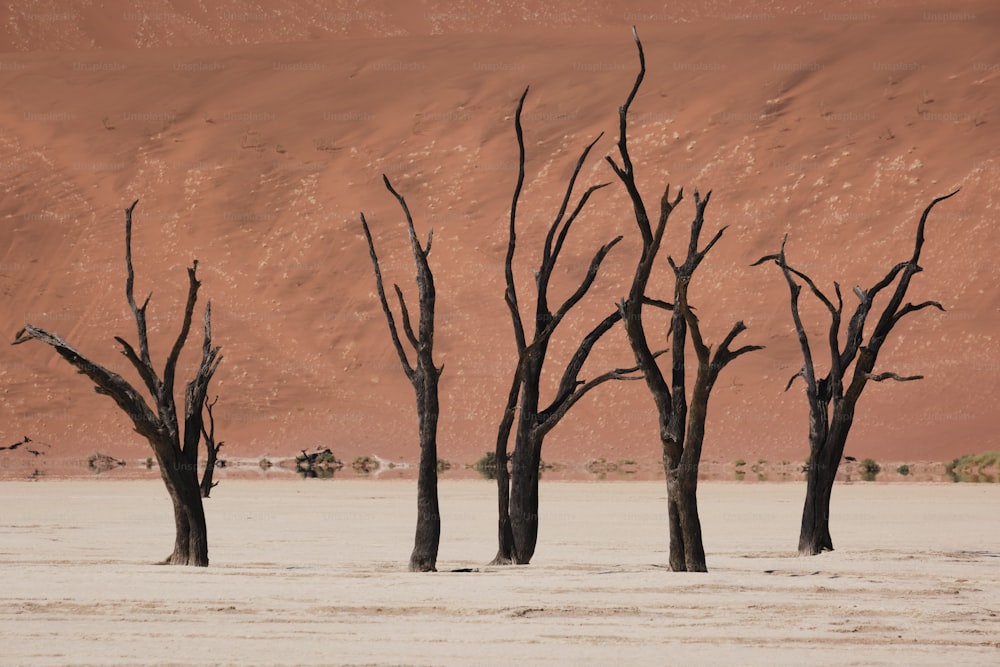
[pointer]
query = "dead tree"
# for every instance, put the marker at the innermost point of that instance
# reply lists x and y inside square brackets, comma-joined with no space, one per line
[833,399]
[681,424]
[517,490]
[176,448]
[211,450]
[424,376]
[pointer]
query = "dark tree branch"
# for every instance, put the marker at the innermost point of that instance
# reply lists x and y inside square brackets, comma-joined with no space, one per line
[425,280]
[510,295]
[565,228]
[625,172]
[107,382]
[808,370]
[631,307]
[890,314]
[510,410]
[396,342]
[694,256]
[910,308]
[137,312]
[569,381]
[581,291]
[196,392]
[715,239]
[658,303]
[885,282]
[140,361]
[550,254]
[791,380]
[697,224]
[723,355]
[211,452]
[26,439]
[208,433]
[919,244]
[701,350]
[767,258]
[170,367]
[666,208]
[881,377]
[146,372]
[558,410]
[817,292]
[407,326]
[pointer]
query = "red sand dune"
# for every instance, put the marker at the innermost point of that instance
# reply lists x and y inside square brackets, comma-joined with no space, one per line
[253,134]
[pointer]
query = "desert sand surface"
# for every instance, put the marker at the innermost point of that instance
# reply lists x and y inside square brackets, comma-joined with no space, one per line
[254,135]
[314,573]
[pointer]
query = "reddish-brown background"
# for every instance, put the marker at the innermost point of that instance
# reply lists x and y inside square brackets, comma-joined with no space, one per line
[253,134]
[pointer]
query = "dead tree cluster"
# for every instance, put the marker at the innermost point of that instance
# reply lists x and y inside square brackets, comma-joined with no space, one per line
[682,413]
[175,434]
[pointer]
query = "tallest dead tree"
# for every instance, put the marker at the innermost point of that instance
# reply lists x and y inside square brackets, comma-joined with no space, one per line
[681,423]
[176,448]
[833,398]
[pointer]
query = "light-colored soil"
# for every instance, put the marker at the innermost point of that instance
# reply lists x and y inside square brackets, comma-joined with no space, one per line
[311,573]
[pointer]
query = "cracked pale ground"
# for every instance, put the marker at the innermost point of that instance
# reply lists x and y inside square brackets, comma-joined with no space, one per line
[314,573]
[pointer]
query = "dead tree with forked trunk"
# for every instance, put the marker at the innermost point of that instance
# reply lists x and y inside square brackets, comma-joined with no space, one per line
[424,376]
[517,490]
[681,425]
[176,448]
[833,399]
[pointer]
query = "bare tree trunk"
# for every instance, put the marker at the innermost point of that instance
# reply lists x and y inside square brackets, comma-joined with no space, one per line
[505,534]
[814,535]
[191,537]
[428,532]
[524,498]
[824,461]
[694,549]
[677,559]
[690,523]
